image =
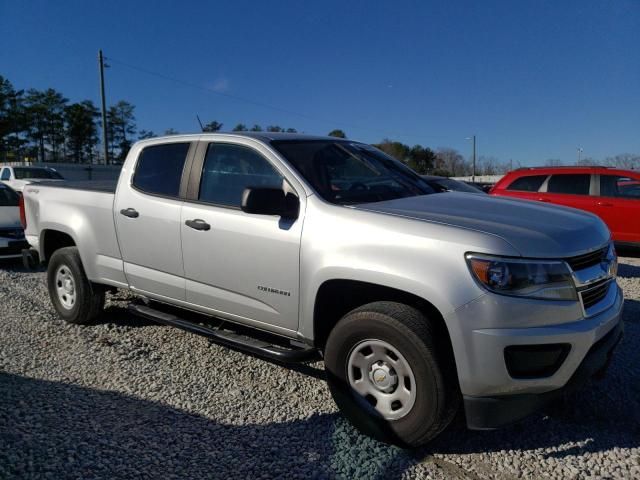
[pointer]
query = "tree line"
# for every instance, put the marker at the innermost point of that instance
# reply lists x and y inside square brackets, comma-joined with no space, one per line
[444,161]
[625,161]
[43,125]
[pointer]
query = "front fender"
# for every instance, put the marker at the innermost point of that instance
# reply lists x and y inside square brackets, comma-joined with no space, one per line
[425,260]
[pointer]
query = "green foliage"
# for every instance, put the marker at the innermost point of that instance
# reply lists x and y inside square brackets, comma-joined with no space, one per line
[81,130]
[45,116]
[419,158]
[144,134]
[241,127]
[337,133]
[121,126]
[212,127]
[43,125]
[13,120]
[397,150]
[256,128]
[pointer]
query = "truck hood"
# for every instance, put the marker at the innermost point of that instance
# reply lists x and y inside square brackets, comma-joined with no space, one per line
[534,229]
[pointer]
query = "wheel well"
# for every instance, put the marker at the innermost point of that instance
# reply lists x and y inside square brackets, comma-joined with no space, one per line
[53,240]
[336,298]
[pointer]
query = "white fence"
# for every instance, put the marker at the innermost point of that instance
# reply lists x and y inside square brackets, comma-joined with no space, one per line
[481,178]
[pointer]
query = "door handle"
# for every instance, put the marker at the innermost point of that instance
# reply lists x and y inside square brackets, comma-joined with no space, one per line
[544,200]
[605,204]
[130,212]
[198,224]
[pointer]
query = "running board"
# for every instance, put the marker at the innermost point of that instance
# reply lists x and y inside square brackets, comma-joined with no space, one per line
[229,339]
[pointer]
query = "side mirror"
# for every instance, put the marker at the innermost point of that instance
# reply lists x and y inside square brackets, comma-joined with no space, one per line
[270,201]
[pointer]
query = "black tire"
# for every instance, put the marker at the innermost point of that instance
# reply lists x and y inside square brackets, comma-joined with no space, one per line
[89,297]
[412,334]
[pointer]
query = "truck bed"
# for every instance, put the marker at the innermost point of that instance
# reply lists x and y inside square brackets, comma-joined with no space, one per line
[88,208]
[104,186]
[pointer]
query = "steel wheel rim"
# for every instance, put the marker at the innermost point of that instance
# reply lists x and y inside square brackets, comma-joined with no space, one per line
[66,287]
[382,378]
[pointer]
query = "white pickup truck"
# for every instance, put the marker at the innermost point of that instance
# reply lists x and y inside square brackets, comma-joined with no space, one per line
[18,177]
[417,301]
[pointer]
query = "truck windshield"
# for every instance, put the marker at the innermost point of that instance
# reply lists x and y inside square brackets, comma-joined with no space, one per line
[346,173]
[26,173]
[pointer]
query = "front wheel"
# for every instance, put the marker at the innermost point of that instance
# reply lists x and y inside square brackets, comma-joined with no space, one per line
[390,376]
[74,297]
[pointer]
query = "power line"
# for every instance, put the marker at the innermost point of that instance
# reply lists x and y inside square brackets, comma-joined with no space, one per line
[264,105]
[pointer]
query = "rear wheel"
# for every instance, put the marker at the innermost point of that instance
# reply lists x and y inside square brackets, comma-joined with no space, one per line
[74,297]
[389,374]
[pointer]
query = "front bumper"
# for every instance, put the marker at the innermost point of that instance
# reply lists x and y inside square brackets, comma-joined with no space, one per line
[484,329]
[493,412]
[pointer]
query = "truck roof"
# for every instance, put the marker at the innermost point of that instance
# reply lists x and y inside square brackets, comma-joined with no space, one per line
[263,136]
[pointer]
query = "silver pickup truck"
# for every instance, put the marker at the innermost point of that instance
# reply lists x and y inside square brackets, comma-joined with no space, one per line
[293,247]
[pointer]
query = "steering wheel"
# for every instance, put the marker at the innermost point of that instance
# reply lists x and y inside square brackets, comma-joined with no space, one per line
[358,186]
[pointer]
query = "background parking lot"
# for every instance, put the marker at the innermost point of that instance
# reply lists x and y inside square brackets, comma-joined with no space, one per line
[128,398]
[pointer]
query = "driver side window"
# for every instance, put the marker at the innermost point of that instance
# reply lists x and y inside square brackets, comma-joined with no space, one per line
[6,174]
[229,169]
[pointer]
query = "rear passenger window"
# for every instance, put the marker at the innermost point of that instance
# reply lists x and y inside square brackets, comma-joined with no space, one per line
[6,174]
[229,169]
[528,184]
[617,186]
[573,184]
[159,169]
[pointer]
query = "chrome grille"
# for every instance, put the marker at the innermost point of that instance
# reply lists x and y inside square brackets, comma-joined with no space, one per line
[593,295]
[587,260]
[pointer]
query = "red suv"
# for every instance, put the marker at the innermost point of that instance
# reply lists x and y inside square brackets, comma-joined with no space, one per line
[612,194]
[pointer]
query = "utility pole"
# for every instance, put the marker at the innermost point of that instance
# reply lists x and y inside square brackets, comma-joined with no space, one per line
[473,172]
[104,109]
[579,152]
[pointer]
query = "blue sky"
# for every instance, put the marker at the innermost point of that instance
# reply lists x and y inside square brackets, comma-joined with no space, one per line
[532,79]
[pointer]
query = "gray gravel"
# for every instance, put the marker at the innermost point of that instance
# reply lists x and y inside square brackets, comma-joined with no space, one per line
[126,398]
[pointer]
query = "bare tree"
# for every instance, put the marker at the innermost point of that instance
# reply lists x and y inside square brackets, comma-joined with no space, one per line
[450,162]
[589,161]
[553,162]
[627,161]
[488,166]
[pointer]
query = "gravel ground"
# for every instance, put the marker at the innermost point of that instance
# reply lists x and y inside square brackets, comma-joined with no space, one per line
[126,398]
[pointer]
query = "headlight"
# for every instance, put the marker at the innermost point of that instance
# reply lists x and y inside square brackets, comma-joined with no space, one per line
[548,280]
